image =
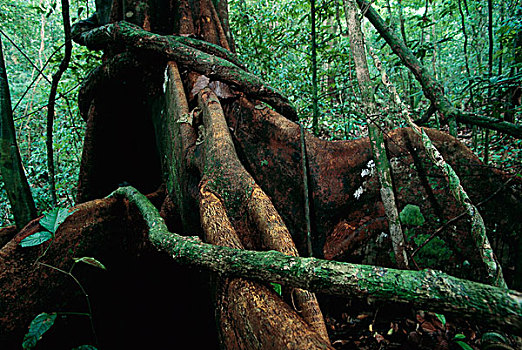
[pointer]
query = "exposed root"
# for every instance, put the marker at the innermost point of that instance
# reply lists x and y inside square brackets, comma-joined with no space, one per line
[130,37]
[235,183]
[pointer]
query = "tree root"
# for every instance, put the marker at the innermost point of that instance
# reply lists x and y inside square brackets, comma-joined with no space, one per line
[127,36]
[427,289]
[236,186]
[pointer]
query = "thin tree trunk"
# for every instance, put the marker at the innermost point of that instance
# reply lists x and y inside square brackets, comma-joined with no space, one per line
[490,76]
[474,129]
[315,108]
[17,187]
[403,33]
[52,97]
[433,90]
[376,136]
[478,229]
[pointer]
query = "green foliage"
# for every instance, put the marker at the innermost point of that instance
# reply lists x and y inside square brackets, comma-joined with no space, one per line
[273,38]
[90,261]
[36,28]
[493,337]
[463,345]
[85,347]
[36,239]
[434,254]
[441,318]
[51,221]
[277,287]
[39,325]
[44,321]
[411,215]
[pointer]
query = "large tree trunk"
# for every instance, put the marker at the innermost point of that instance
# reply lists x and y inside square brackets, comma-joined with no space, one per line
[229,170]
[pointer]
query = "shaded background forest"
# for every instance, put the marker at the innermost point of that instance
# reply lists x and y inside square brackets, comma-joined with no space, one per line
[274,39]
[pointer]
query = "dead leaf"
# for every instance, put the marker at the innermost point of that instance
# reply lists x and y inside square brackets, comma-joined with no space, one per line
[221,89]
[200,84]
[362,316]
[428,327]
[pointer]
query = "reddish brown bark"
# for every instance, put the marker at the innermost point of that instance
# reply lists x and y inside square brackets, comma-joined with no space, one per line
[131,300]
[221,181]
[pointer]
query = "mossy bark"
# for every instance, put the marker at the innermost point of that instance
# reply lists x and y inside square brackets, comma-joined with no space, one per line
[426,289]
[478,228]
[123,35]
[382,163]
[219,163]
[13,175]
[432,88]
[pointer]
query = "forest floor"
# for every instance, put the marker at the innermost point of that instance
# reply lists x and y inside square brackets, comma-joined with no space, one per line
[359,325]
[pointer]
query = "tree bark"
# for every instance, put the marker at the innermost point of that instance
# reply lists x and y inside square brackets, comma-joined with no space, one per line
[382,163]
[427,289]
[13,175]
[123,35]
[433,90]
[218,154]
[315,106]
[478,229]
[52,97]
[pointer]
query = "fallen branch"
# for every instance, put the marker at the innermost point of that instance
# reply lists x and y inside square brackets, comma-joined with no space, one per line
[478,229]
[426,289]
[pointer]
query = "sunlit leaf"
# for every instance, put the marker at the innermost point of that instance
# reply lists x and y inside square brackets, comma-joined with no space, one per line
[39,325]
[441,318]
[90,261]
[36,239]
[277,287]
[53,219]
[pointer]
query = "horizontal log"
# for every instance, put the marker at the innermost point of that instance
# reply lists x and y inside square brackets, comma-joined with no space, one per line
[427,289]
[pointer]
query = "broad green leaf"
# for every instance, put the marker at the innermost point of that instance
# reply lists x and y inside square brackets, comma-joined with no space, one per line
[52,220]
[39,325]
[36,239]
[459,336]
[463,345]
[85,347]
[441,318]
[90,261]
[49,220]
